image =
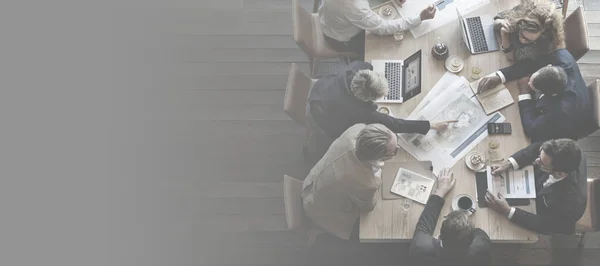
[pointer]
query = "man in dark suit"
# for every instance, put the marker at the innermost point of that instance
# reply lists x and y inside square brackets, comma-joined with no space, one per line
[339,101]
[561,187]
[562,107]
[460,242]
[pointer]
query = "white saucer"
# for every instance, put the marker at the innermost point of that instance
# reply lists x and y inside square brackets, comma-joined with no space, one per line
[477,167]
[393,15]
[390,113]
[448,64]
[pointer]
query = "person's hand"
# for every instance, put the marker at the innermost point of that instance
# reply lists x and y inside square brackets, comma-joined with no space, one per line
[502,168]
[524,87]
[506,26]
[488,83]
[445,183]
[441,125]
[505,30]
[497,203]
[428,12]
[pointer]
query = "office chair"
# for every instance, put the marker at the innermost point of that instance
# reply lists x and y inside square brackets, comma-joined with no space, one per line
[309,37]
[590,221]
[576,31]
[296,94]
[294,211]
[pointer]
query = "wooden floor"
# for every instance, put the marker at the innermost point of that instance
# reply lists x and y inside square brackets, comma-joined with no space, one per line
[232,61]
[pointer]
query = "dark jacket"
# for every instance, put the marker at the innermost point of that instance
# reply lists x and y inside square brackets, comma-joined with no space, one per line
[426,250]
[560,205]
[334,108]
[565,115]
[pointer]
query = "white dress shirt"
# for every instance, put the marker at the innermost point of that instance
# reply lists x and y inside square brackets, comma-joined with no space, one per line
[344,19]
[377,166]
[522,97]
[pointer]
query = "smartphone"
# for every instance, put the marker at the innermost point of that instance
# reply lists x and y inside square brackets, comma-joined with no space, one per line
[499,128]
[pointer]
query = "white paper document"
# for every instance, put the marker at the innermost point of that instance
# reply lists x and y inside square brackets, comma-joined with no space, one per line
[446,12]
[513,184]
[412,185]
[445,81]
[445,148]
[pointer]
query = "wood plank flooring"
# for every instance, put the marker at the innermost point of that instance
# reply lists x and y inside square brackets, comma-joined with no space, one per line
[230,60]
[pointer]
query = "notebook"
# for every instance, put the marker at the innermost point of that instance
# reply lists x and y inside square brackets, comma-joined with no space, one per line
[390,171]
[494,99]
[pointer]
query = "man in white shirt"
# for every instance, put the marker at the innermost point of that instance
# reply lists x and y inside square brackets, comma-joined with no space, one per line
[344,22]
[560,183]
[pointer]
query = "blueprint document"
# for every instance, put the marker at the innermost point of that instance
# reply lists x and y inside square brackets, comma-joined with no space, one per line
[446,12]
[445,81]
[445,148]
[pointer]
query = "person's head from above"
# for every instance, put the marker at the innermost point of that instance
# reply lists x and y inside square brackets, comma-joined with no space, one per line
[549,80]
[456,233]
[559,157]
[534,19]
[376,143]
[368,85]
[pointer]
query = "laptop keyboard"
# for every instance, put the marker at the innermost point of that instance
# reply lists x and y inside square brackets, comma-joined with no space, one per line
[477,35]
[393,73]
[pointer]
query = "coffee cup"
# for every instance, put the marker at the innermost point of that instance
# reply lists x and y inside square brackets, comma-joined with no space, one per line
[455,62]
[464,203]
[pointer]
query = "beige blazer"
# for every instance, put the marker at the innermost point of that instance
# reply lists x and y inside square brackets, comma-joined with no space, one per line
[340,187]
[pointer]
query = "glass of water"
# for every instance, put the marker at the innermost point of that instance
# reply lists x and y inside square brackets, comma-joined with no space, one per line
[475,71]
[398,37]
[406,203]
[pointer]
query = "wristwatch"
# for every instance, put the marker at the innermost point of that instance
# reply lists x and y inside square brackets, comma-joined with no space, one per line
[506,50]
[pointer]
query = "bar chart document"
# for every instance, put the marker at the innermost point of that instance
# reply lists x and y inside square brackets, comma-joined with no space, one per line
[513,184]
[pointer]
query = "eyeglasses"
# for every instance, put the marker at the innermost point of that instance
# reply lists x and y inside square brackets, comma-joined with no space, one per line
[389,156]
[527,40]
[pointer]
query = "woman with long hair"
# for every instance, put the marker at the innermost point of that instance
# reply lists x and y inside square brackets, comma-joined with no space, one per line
[530,29]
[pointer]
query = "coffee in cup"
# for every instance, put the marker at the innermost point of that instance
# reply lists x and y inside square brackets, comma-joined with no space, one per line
[465,203]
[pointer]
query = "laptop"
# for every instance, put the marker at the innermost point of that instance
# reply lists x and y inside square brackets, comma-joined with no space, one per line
[404,77]
[478,33]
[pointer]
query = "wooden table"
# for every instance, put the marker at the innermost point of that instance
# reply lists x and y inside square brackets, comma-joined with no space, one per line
[389,221]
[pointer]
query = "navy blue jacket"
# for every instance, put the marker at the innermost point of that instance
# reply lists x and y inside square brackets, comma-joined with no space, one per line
[560,205]
[565,115]
[335,109]
[426,250]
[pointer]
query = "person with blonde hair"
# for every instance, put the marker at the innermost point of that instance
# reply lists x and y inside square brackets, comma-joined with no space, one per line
[530,29]
[343,183]
[554,101]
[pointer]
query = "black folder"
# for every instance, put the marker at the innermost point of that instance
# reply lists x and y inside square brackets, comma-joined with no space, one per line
[482,186]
